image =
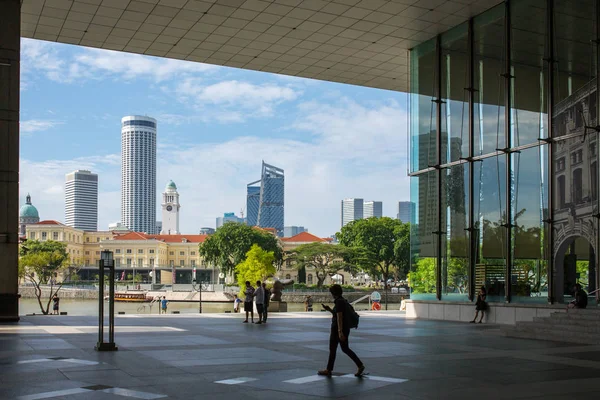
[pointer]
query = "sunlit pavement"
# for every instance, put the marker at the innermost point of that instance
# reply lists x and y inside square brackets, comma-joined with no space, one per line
[215,356]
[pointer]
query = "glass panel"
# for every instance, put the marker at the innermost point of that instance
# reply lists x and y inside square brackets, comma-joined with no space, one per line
[529,270]
[422,109]
[488,32]
[455,244]
[423,242]
[528,66]
[455,109]
[490,208]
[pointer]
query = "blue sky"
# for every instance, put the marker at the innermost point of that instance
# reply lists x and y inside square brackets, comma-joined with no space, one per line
[215,125]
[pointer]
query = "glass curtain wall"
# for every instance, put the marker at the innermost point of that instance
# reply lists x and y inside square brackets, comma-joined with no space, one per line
[504,155]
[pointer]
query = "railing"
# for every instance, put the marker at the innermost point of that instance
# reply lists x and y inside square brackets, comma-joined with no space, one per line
[368,296]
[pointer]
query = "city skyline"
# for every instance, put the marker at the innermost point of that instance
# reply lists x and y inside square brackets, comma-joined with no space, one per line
[209,142]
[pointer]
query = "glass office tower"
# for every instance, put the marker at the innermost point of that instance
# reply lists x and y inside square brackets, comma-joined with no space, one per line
[504,157]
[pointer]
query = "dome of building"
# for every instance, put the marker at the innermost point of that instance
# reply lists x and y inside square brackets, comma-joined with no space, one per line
[28,210]
[171,186]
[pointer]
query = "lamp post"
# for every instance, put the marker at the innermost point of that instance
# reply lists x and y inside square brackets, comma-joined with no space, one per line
[106,260]
[197,286]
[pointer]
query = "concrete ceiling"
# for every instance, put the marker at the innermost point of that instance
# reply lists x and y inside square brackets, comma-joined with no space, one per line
[360,42]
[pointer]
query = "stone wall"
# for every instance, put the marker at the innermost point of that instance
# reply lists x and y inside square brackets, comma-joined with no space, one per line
[322,297]
[28,292]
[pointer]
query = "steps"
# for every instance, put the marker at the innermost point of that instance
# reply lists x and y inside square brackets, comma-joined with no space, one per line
[575,326]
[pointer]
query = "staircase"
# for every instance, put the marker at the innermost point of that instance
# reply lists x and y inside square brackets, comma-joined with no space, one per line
[575,326]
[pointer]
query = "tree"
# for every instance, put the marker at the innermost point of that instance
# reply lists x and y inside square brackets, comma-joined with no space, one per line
[258,266]
[229,245]
[40,263]
[380,245]
[422,278]
[326,259]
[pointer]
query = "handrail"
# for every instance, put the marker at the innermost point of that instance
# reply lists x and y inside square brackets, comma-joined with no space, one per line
[360,299]
[591,293]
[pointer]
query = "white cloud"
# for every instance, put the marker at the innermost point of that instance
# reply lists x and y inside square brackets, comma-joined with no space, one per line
[36,125]
[57,64]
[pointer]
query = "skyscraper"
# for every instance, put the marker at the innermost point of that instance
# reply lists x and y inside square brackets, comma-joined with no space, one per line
[406,210]
[270,201]
[372,209]
[138,173]
[352,209]
[290,231]
[228,217]
[252,203]
[81,200]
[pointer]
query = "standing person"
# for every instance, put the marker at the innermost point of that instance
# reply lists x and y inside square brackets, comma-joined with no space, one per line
[480,305]
[308,304]
[339,333]
[259,298]
[163,304]
[249,293]
[55,305]
[236,303]
[267,301]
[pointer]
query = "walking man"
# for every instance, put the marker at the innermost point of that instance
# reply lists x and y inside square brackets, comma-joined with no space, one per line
[267,301]
[163,305]
[248,308]
[259,297]
[339,332]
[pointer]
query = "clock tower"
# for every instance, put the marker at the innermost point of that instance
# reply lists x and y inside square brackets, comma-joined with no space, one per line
[170,210]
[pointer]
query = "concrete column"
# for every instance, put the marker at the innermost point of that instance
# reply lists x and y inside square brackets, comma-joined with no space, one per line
[10,51]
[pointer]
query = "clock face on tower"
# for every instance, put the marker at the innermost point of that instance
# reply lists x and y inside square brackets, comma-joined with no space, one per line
[169,208]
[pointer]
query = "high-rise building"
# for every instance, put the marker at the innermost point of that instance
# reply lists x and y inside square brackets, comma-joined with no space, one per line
[266,209]
[229,217]
[352,209]
[372,209]
[207,231]
[138,173]
[290,231]
[252,203]
[170,210]
[81,200]
[406,210]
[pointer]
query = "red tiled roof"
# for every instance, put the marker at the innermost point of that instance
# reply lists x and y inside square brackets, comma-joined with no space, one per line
[304,237]
[49,222]
[163,238]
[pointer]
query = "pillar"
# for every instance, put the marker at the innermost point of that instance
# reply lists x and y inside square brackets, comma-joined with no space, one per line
[10,35]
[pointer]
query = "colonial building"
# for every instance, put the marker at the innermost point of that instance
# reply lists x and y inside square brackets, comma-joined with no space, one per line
[28,214]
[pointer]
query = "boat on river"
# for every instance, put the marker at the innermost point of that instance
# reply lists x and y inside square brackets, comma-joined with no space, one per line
[131,297]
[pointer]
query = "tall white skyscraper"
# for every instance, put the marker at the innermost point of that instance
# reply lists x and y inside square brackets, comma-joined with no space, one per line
[373,209]
[405,211]
[81,200]
[352,209]
[138,173]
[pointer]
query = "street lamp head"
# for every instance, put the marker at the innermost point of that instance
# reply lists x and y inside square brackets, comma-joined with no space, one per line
[106,255]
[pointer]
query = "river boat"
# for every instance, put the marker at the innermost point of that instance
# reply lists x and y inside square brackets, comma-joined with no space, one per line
[131,297]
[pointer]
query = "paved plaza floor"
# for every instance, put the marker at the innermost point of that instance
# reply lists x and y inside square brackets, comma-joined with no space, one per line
[215,356]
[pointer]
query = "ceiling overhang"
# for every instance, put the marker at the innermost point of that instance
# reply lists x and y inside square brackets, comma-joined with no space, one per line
[359,42]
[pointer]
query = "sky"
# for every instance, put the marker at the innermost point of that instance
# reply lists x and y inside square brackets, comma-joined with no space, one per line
[215,126]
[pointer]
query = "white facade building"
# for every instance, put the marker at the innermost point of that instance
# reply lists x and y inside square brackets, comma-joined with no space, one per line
[352,209]
[373,209]
[170,210]
[81,200]
[138,173]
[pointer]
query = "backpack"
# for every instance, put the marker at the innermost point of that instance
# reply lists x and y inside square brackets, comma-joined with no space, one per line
[351,317]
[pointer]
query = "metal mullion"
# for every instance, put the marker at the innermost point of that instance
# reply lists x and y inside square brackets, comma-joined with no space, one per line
[550,162]
[597,255]
[472,231]
[438,122]
[508,141]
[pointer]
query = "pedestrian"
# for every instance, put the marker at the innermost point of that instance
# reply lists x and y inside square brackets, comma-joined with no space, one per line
[580,300]
[340,331]
[163,305]
[480,304]
[55,305]
[236,303]
[259,298]
[308,304]
[248,308]
[267,302]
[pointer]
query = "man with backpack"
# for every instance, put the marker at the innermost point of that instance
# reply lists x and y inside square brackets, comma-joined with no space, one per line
[344,318]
